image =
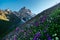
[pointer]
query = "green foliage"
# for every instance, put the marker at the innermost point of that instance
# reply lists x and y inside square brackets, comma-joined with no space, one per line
[53,27]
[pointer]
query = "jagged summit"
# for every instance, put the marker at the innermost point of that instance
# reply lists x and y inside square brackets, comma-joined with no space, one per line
[8,10]
[24,9]
[24,14]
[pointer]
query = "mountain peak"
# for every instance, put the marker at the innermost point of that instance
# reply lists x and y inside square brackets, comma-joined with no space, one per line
[23,7]
[8,10]
[25,10]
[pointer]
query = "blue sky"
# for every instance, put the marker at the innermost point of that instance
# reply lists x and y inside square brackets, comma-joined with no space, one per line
[36,6]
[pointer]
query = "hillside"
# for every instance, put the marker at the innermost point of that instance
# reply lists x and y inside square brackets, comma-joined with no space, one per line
[44,26]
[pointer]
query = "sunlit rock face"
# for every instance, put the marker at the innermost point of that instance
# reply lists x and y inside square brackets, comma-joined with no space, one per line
[3,15]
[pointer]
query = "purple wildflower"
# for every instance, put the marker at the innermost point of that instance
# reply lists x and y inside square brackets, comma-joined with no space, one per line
[36,24]
[45,30]
[22,30]
[24,33]
[43,19]
[15,37]
[36,36]
[17,29]
[48,36]
[47,25]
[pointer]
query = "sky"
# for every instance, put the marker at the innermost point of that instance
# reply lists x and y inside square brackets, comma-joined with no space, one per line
[36,6]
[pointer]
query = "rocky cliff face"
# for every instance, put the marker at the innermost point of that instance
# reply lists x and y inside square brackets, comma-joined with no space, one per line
[24,14]
[3,15]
